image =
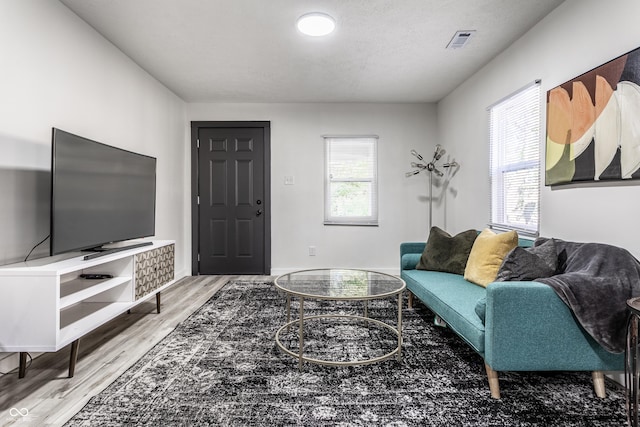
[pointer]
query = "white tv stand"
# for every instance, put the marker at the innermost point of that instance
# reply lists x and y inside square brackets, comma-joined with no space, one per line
[46,305]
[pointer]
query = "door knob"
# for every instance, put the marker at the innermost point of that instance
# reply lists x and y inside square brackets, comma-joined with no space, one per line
[259,212]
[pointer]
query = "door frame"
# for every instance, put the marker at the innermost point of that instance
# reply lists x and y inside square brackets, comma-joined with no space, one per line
[195,217]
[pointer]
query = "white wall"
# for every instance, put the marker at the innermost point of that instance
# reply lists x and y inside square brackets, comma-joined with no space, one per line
[297,150]
[56,71]
[576,37]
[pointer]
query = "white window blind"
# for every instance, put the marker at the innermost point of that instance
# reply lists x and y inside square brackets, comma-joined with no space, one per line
[514,139]
[351,180]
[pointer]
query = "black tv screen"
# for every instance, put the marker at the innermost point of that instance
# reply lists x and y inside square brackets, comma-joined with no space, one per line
[99,194]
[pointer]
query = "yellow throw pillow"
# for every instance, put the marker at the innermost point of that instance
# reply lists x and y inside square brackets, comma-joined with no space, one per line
[486,256]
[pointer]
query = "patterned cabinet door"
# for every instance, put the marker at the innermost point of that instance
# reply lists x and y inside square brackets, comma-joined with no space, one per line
[154,268]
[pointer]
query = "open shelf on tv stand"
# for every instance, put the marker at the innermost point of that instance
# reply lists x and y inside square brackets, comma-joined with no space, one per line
[53,304]
[102,251]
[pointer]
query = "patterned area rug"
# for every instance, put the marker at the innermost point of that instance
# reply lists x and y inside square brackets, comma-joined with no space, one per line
[221,367]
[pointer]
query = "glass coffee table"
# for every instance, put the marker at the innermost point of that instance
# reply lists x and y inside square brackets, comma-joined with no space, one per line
[339,285]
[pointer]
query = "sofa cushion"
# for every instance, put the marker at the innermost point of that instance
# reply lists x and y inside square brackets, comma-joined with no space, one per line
[530,263]
[446,253]
[487,253]
[453,299]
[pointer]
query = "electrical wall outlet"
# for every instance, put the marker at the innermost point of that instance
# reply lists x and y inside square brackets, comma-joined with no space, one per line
[288,180]
[312,251]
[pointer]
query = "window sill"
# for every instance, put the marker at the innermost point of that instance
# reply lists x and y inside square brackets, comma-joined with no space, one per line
[357,223]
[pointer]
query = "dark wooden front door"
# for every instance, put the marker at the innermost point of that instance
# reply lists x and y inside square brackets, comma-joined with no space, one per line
[232,198]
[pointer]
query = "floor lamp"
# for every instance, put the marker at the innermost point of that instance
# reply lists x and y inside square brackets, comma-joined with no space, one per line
[431,169]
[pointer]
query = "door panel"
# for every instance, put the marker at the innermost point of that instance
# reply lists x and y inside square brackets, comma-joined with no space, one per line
[232,186]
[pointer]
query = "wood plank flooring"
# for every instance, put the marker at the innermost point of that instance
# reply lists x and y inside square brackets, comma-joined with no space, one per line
[47,397]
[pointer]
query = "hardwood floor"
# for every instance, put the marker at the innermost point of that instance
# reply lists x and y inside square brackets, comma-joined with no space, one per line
[46,396]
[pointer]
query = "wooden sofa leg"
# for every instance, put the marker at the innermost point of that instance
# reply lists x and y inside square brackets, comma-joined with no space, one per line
[494,385]
[410,300]
[598,384]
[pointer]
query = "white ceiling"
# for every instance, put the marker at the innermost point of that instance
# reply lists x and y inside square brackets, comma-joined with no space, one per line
[251,51]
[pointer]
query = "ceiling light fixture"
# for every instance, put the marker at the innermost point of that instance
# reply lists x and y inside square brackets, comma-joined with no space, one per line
[316,24]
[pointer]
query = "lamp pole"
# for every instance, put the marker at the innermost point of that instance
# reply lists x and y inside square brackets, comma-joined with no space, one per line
[430,196]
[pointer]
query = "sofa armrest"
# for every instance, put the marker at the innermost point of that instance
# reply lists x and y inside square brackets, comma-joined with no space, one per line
[410,253]
[409,261]
[529,328]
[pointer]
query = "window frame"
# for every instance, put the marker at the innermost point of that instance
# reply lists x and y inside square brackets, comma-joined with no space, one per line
[329,219]
[498,166]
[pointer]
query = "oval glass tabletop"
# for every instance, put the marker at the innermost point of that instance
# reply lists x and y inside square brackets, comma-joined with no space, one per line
[339,284]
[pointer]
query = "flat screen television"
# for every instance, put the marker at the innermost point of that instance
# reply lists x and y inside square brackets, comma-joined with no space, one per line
[99,194]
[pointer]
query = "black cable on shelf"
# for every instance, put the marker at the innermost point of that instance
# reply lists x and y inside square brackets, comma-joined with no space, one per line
[32,249]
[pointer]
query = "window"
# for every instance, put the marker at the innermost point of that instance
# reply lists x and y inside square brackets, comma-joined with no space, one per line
[514,140]
[351,180]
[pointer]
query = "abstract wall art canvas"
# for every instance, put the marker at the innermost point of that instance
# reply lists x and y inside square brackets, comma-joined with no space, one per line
[593,124]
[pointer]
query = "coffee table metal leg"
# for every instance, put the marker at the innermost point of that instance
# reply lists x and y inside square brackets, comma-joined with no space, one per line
[366,312]
[288,309]
[301,334]
[399,326]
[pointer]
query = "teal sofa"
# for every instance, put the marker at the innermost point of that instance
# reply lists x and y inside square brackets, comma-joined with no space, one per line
[526,326]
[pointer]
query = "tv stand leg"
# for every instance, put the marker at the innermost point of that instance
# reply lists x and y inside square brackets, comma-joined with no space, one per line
[158,302]
[73,358]
[22,369]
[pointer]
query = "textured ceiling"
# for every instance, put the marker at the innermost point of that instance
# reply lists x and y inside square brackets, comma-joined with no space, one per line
[251,51]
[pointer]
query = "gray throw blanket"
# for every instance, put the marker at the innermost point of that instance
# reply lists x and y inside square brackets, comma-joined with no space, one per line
[595,280]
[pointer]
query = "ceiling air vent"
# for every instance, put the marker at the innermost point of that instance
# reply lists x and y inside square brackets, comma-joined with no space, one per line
[460,39]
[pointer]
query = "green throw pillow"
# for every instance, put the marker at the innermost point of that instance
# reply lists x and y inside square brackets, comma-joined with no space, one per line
[446,253]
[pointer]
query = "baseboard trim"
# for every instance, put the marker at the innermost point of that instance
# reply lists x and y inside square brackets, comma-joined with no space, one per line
[615,376]
[181,275]
[386,270]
